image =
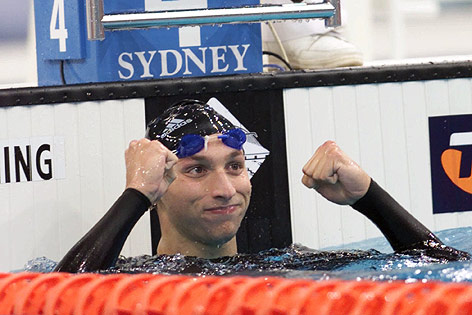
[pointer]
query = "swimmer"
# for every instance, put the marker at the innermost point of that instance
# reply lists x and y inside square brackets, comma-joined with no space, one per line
[190,168]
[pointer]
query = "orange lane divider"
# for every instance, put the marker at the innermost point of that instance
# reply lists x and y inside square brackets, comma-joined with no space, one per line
[32,298]
[9,288]
[90,294]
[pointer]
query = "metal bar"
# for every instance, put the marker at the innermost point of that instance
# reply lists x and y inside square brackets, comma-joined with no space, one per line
[95,30]
[218,16]
[335,20]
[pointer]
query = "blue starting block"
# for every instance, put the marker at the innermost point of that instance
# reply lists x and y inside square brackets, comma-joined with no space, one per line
[64,55]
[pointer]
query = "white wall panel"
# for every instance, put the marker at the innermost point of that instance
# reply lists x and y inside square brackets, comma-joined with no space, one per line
[370,139]
[90,164]
[6,237]
[138,242]
[44,197]
[347,136]
[303,210]
[68,189]
[394,140]
[437,104]
[384,127]
[460,96]
[321,111]
[417,145]
[45,218]
[21,229]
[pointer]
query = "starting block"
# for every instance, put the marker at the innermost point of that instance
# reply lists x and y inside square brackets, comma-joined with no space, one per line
[66,56]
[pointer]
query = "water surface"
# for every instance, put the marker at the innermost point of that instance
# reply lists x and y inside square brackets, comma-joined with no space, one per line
[372,259]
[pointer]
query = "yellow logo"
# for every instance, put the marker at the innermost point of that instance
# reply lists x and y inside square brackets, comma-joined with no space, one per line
[451,161]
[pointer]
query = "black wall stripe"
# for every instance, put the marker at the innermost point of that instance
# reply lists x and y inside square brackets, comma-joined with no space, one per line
[234,83]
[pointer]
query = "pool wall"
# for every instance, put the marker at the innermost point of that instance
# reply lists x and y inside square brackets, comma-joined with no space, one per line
[384,127]
[46,217]
[378,115]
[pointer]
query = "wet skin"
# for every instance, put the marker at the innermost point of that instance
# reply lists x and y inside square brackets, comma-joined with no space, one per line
[202,209]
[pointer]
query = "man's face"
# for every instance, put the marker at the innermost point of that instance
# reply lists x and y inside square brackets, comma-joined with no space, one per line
[210,195]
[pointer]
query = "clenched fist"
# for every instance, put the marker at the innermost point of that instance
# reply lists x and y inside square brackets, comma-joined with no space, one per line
[335,176]
[149,168]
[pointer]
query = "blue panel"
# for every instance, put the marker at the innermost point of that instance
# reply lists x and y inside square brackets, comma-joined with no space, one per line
[450,164]
[122,6]
[231,3]
[118,58]
[152,53]
[68,43]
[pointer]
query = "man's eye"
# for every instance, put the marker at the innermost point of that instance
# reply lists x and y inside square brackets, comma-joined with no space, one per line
[235,166]
[196,170]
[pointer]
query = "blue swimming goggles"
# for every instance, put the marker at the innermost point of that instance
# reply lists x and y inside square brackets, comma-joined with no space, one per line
[191,144]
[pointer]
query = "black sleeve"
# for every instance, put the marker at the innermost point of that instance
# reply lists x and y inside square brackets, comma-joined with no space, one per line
[402,230]
[100,247]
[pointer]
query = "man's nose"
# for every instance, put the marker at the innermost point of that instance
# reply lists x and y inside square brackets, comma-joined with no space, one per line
[222,185]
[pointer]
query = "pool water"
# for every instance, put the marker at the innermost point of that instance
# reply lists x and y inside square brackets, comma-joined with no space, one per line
[372,259]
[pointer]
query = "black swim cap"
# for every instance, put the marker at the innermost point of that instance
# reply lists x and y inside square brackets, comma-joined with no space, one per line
[186,117]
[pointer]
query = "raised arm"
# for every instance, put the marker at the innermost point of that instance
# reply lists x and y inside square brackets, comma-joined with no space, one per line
[339,179]
[148,175]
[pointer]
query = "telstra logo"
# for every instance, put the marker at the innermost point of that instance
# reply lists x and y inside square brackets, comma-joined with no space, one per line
[450,140]
[458,164]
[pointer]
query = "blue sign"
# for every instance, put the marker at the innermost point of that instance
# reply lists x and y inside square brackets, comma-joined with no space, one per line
[153,53]
[450,140]
[59,29]
[123,6]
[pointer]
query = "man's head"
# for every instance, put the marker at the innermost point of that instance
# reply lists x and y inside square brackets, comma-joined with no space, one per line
[187,117]
[203,207]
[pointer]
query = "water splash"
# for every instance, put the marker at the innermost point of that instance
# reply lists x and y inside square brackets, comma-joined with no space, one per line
[297,261]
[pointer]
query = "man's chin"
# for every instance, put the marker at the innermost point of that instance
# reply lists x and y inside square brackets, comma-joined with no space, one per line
[219,241]
[218,235]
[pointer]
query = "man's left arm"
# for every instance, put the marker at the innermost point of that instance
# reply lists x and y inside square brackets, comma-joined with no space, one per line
[339,179]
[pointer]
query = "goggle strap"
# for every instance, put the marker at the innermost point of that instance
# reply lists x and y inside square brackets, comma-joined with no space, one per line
[205,146]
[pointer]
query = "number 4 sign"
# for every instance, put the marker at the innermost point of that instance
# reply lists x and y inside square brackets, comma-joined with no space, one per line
[57,17]
[60,29]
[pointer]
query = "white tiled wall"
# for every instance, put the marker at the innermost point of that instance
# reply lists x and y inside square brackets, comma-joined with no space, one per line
[384,127]
[45,218]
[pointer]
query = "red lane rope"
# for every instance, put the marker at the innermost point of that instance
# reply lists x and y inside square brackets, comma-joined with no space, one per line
[90,294]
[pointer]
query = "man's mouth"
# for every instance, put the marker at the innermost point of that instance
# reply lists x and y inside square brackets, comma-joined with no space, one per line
[222,209]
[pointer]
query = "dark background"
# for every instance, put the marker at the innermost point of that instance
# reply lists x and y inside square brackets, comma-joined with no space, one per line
[447,197]
[267,221]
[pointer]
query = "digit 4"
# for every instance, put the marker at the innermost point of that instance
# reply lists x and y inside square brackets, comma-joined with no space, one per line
[60,32]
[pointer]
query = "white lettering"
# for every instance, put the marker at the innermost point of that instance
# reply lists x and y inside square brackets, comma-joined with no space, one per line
[145,63]
[217,58]
[199,63]
[178,62]
[239,57]
[172,61]
[126,65]
[175,125]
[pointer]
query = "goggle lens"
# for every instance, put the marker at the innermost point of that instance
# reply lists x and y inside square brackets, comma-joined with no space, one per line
[234,138]
[191,144]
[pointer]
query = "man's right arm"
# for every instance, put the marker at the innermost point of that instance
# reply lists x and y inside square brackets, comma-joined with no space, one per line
[148,175]
[101,246]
